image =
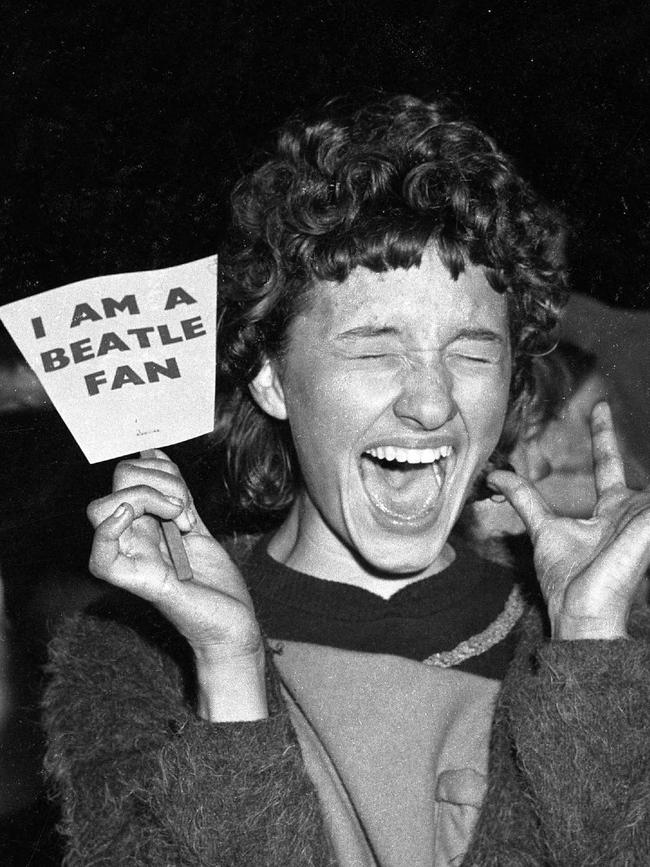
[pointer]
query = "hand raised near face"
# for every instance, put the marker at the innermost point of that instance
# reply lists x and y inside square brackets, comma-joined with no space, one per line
[213,610]
[588,569]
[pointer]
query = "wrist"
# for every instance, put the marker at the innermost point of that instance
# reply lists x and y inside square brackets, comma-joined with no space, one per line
[231,686]
[567,628]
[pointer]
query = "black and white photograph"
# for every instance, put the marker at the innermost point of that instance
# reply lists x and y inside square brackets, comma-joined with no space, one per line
[325,434]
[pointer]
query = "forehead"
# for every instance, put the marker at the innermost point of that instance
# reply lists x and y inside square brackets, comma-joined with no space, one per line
[421,301]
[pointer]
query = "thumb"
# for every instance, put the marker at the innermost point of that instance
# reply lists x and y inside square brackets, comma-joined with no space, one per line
[524,498]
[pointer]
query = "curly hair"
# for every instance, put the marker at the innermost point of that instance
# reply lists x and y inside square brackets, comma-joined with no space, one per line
[370,187]
[558,376]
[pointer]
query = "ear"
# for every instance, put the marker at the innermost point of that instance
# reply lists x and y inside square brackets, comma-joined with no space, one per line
[267,391]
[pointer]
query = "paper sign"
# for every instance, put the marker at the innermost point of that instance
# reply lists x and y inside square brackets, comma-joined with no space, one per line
[128,360]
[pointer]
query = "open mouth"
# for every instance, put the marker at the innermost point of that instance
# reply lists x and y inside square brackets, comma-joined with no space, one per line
[404,483]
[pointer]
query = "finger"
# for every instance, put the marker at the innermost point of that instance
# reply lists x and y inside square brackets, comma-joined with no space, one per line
[154,459]
[162,474]
[114,558]
[142,499]
[105,552]
[609,471]
[162,462]
[131,472]
[524,498]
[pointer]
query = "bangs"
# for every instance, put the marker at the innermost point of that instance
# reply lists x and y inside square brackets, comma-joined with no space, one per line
[389,244]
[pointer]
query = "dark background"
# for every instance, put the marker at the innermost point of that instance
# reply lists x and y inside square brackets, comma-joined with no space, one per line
[126,123]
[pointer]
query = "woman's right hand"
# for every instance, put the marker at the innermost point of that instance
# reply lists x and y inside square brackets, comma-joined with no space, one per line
[213,610]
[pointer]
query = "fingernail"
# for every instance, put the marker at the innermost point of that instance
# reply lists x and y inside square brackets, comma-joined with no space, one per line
[121,510]
[174,501]
[497,498]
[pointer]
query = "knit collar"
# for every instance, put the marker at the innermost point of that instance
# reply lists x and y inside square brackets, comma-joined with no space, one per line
[466,577]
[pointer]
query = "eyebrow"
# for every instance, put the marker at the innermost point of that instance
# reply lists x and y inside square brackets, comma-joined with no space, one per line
[361,331]
[485,334]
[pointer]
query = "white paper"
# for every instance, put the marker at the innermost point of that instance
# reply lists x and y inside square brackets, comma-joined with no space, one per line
[128,360]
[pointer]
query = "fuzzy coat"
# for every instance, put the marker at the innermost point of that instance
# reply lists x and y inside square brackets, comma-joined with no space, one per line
[143,781]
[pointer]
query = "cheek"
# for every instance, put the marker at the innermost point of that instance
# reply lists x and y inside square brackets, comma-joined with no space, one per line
[333,400]
[324,418]
[497,398]
[484,404]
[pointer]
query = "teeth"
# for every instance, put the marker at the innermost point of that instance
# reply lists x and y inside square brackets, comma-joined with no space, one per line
[411,456]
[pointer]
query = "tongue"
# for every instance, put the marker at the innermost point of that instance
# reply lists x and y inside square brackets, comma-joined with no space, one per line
[402,492]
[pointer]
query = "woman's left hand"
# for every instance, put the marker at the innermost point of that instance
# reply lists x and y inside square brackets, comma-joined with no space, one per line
[588,569]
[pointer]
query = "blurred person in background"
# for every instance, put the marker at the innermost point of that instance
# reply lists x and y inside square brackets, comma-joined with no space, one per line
[553,448]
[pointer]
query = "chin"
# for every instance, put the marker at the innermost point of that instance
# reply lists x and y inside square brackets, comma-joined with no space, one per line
[403,548]
[401,557]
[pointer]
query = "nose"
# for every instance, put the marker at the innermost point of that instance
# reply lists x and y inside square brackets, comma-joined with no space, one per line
[426,399]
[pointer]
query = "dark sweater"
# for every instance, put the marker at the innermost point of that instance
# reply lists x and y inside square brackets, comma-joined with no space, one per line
[429,616]
[144,781]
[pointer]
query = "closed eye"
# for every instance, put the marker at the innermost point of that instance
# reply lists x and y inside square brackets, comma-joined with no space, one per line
[478,345]
[479,359]
[376,355]
[477,351]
